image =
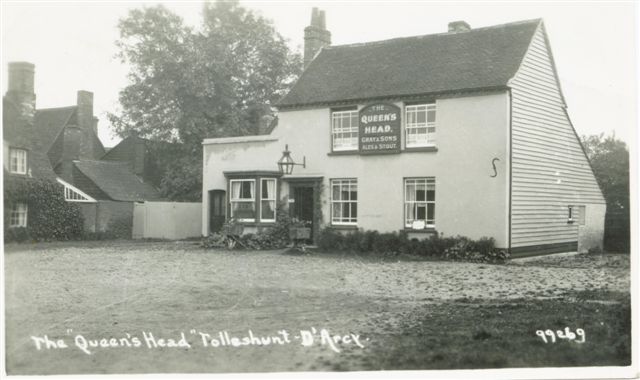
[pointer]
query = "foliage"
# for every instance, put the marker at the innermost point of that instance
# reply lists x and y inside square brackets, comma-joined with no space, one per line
[219,79]
[49,216]
[391,244]
[272,237]
[609,159]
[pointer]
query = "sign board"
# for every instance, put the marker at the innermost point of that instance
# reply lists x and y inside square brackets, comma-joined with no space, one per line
[379,129]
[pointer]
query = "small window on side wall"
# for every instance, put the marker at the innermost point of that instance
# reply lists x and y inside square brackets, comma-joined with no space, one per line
[17,161]
[18,215]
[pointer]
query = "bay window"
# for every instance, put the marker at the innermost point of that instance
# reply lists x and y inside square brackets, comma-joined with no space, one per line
[420,126]
[253,199]
[419,202]
[344,201]
[344,130]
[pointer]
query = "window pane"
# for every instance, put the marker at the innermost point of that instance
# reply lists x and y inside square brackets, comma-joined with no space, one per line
[431,209]
[243,210]
[268,210]
[421,211]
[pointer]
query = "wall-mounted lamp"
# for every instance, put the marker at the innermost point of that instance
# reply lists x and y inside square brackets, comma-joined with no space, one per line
[286,163]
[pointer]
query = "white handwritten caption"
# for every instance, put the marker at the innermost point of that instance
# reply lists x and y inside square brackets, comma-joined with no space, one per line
[305,338]
[559,334]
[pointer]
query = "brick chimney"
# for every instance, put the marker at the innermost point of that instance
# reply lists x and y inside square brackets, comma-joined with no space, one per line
[20,88]
[316,36]
[87,123]
[459,26]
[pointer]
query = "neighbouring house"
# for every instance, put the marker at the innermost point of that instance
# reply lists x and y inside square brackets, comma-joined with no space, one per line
[464,132]
[61,144]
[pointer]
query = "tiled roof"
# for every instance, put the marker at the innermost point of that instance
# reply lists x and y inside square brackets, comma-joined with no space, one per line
[20,134]
[482,58]
[117,181]
[50,121]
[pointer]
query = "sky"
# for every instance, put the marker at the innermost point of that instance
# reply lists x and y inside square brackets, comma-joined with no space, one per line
[594,45]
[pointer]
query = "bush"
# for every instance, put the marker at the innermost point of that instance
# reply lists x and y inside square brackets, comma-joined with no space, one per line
[49,216]
[272,237]
[457,248]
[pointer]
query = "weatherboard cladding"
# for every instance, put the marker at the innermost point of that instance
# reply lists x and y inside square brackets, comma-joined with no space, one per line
[549,168]
[482,58]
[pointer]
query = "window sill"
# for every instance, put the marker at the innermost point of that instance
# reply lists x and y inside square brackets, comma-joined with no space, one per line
[343,227]
[421,149]
[344,152]
[256,224]
[429,230]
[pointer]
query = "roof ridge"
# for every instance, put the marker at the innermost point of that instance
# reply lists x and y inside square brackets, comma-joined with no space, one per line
[108,162]
[395,39]
[55,108]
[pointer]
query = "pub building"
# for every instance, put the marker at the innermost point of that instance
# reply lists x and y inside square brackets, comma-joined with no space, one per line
[463,132]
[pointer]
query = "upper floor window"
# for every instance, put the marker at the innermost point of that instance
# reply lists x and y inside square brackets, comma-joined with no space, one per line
[344,201]
[18,161]
[344,130]
[420,125]
[18,215]
[419,202]
[243,199]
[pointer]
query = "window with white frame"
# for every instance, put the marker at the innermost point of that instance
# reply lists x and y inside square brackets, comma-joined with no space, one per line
[344,130]
[18,215]
[419,202]
[420,126]
[243,199]
[268,200]
[344,201]
[18,161]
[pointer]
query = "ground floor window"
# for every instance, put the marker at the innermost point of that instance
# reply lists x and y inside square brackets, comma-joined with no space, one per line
[419,202]
[268,200]
[243,199]
[253,200]
[18,215]
[344,201]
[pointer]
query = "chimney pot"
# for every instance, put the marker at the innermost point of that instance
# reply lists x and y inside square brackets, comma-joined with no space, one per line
[459,26]
[316,36]
[21,77]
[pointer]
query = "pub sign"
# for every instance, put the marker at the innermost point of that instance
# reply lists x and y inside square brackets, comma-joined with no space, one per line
[379,129]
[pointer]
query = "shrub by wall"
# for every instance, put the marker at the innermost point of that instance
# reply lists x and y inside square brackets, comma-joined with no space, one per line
[458,248]
[49,216]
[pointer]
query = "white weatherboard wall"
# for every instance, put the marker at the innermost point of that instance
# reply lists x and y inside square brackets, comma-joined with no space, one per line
[549,168]
[167,220]
[471,132]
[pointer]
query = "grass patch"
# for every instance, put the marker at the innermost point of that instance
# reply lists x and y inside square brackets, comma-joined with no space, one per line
[464,335]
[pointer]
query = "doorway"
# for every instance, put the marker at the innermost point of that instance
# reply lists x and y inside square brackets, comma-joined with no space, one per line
[217,209]
[302,197]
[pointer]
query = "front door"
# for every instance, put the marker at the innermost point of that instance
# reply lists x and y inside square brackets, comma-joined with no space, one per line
[302,206]
[217,202]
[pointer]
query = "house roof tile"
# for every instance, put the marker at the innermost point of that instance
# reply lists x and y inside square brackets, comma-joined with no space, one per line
[117,181]
[478,59]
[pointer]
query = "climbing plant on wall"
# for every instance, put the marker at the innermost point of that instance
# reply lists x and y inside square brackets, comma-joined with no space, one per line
[49,216]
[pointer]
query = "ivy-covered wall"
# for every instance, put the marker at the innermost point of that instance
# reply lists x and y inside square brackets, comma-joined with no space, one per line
[49,216]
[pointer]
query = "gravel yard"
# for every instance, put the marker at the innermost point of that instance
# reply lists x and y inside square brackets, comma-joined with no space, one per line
[113,289]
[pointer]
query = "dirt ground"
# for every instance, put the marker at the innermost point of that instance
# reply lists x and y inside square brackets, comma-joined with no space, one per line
[120,290]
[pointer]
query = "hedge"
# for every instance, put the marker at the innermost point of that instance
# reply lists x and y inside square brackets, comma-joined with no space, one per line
[458,248]
[49,216]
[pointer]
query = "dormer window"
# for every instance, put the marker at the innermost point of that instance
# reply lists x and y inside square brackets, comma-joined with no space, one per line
[420,126]
[17,161]
[344,130]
